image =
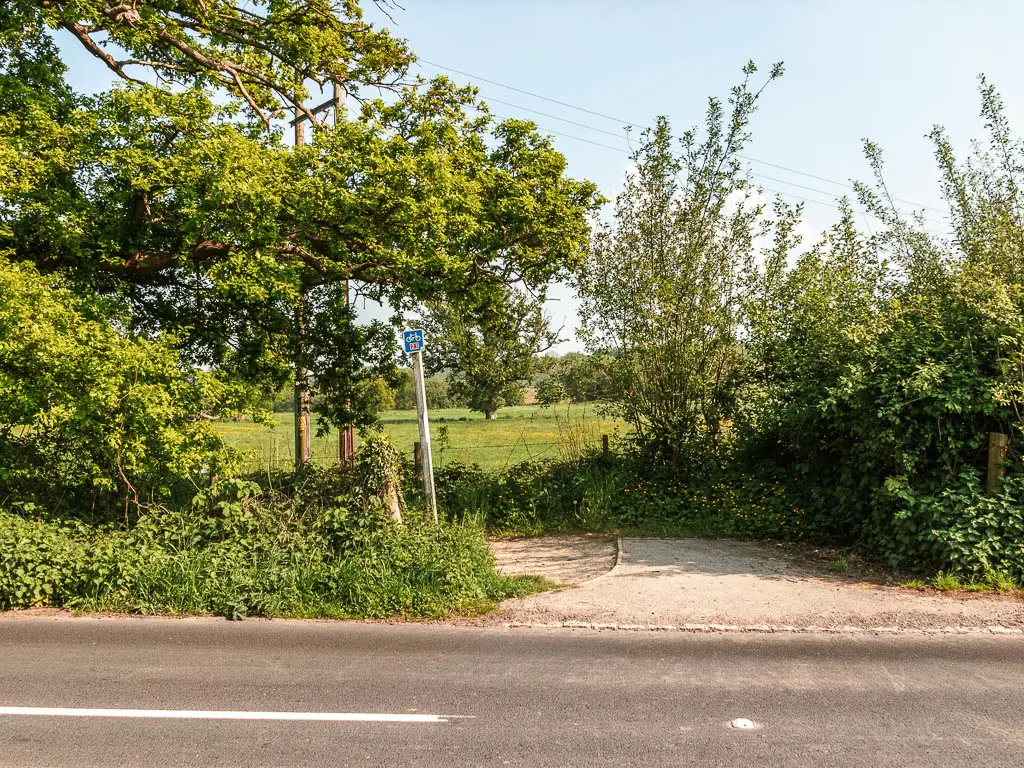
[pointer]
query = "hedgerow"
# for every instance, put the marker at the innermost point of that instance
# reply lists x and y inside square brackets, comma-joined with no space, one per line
[239,550]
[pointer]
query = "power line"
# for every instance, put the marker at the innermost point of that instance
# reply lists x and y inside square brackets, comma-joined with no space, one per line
[553,117]
[565,135]
[526,93]
[845,185]
[629,124]
[838,183]
[819,191]
[752,173]
[833,206]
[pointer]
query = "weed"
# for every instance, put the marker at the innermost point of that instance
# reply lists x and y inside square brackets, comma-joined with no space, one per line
[946,582]
[1000,581]
[842,565]
[990,581]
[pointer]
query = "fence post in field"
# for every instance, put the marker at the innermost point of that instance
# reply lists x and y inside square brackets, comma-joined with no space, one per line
[997,445]
[417,459]
[604,446]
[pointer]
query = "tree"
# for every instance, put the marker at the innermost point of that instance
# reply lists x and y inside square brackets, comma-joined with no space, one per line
[91,420]
[577,377]
[662,286]
[264,55]
[379,394]
[550,390]
[205,225]
[439,394]
[797,319]
[489,357]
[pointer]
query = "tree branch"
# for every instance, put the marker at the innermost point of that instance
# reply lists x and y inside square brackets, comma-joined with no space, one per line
[82,33]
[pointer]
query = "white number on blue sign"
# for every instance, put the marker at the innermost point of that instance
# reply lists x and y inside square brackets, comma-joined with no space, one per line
[413,341]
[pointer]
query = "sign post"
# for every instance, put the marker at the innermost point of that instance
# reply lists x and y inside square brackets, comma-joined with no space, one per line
[413,342]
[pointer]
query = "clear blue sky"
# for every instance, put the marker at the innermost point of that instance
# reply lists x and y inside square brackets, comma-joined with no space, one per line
[883,70]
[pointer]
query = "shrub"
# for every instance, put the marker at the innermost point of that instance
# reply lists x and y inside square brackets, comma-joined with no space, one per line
[958,528]
[239,551]
[629,493]
[92,418]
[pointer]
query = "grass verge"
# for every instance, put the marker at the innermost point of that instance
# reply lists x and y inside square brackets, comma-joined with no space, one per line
[238,551]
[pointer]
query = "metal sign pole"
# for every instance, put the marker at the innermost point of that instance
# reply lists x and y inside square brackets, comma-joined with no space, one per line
[413,341]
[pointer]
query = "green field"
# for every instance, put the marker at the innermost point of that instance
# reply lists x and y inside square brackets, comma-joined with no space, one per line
[518,434]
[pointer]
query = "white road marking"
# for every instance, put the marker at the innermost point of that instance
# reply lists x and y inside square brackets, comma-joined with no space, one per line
[198,714]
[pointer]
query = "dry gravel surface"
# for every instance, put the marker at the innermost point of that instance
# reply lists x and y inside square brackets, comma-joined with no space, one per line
[715,584]
[564,560]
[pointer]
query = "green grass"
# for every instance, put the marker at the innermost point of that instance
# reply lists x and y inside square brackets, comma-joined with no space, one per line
[991,581]
[519,434]
[842,565]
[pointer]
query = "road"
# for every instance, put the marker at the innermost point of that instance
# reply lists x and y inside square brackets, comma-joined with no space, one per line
[504,696]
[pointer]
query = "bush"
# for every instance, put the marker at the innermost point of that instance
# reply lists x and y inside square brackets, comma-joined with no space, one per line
[241,551]
[878,365]
[378,394]
[893,427]
[551,391]
[628,493]
[92,418]
[958,529]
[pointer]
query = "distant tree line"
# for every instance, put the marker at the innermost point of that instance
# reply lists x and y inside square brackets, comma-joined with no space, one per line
[575,377]
[382,395]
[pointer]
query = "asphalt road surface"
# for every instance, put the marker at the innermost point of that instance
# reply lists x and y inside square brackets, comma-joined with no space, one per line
[451,696]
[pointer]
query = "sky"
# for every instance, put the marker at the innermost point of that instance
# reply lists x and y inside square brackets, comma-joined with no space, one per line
[887,71]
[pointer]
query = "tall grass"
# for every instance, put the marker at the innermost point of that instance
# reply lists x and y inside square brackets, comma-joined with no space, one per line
[239,551]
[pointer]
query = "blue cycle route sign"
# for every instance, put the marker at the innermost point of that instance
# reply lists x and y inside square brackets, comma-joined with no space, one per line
[413,341]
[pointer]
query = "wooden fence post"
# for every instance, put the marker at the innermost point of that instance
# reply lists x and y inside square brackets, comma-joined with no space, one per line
[417,458]
[604,446]
[997,445]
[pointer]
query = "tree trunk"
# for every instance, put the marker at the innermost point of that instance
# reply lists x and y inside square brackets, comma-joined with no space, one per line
[491,411]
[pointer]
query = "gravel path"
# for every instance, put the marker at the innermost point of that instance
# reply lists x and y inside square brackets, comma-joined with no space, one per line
[561,559]
[691,582]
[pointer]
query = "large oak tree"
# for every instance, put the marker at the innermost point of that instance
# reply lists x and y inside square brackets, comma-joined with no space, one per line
[194,211]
